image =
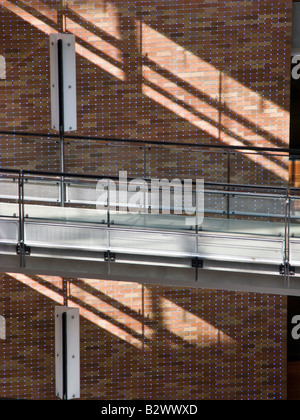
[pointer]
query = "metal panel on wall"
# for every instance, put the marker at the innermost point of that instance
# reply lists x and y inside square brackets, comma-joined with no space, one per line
[68,82]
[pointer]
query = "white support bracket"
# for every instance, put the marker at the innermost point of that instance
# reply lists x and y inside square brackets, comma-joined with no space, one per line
[63,83]
[67,353]
[2,328]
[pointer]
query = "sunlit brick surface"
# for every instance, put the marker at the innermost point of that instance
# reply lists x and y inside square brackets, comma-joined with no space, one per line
[145,342]
[200,72]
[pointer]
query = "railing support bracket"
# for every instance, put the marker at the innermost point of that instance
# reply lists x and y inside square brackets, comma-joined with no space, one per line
[287,269]
[23,249]
[109,257]
[197,263]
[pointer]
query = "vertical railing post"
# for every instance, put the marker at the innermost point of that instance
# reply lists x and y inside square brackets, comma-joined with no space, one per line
[144,161]
[228,182]
[108,257]
[145,210]
[286,263]
[108,204]
[288,238]
[197,211]
[64,356]
[21,245]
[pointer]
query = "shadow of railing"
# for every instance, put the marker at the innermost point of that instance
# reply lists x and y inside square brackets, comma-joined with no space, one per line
[120,320]
[217,129]
[37,13]
[220,106]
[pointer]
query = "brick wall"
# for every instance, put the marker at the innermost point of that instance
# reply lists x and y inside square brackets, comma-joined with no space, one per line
[204,72]
[145,342]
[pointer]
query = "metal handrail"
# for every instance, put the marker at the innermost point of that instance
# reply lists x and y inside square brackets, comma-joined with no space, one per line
[290,151]
[282,193]
[70,175]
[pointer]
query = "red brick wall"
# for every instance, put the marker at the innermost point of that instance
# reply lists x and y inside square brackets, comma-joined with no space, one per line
[203,72]
[145,342]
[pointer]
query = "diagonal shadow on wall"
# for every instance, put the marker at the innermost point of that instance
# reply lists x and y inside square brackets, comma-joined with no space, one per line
[138,61]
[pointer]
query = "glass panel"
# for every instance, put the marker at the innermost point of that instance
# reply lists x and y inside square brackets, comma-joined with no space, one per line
[62,213]
[245,211]
[9,195]
[9,210]
[82,196]
[257,205]
[42,190]
[41,197]
[154,204]
[78,203]
[216,203]
[294,230]
[251,227]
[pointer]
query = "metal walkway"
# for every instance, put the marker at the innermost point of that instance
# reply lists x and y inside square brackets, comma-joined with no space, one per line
[249,239]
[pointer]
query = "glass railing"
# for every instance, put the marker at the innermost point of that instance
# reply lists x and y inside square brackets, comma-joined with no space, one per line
[165,204]
[293,227]
[235,201]
[236,222]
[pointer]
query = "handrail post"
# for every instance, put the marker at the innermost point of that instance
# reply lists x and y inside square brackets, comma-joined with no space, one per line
[228,182]
[287,239]
[108,204]
[21,218]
